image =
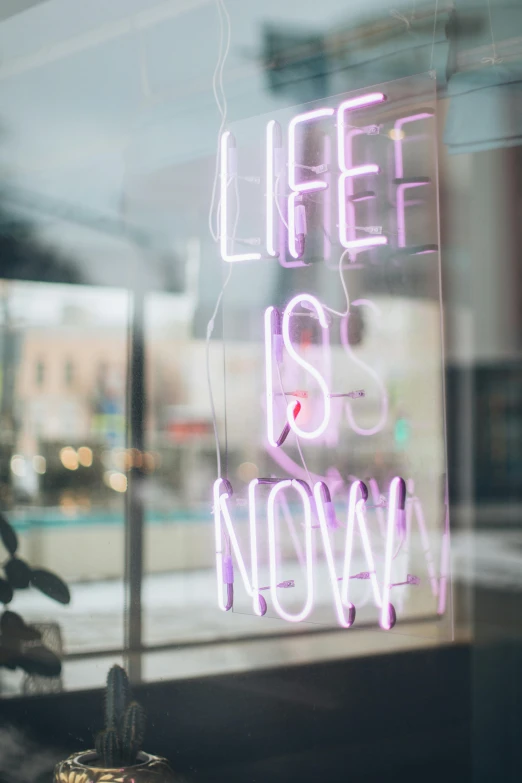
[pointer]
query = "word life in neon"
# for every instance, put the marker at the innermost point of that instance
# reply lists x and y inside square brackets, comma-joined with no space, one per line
[299,180]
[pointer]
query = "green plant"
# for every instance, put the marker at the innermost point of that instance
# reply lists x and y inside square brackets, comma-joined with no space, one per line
[120,742]
[20,644]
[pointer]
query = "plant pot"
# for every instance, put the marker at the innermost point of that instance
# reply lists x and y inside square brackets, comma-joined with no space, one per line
[79,768]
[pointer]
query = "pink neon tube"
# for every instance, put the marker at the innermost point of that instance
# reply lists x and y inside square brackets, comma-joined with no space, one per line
[269,377]
[356,510]
[444,563]
[419,513]
[273,135]
[292,226]
[303,614]
[344,620]
[399,173]
[376,497]
[260,606]
[401,209]
[316,305]
[225,573]
[382,388]
[327,200]
[347,217]
[309,116]
[223,602]
[396,506]
[226,138]
[307,186]
[361,102]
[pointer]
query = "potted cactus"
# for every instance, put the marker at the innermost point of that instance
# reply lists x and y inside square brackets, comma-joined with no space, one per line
[118,757]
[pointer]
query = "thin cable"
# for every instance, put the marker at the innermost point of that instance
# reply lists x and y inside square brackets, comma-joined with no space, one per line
[225,417]
[343,283]
[493,60]
[434,33]
[210,329]
[221,102]
[276,199]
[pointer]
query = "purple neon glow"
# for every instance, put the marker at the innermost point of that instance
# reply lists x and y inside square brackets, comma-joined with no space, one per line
[347,218]
[399,165]
[327,199]
[272,130]
[260,606]
[223,222]
[286,429]
[220,549]
[316,305]
[401,211]
[227,544]
[308,186]
[224,567]
[269,377]
[356,511]
[309,571]
[345,619]
[309,116]
[360,171]
[296,225]
[396,506]
[376,497]
[399,172]
[421,522]
[444,562]
[382,389]
[361,102]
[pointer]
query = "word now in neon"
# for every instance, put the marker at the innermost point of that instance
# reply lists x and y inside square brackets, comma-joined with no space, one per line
[318,512]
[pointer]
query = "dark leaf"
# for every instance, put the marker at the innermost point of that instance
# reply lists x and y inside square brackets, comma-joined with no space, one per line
[6,591]
[12,626]
[18,573]
[51,585]
[7,658]
[40,660]
[8,536]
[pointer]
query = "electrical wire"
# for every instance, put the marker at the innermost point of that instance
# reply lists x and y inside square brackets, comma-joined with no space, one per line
[210,329]
[343,283]
[276,199]
[221,102]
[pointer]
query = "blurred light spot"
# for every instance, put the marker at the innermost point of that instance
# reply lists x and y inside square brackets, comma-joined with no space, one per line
[396,134]
[106,458]
[136,457]
[118,482]
[247,471]
[119,459]
[149,463]
[68,504]
[84,502]
[69,458]
[85,456]
[39,464]
[18,465]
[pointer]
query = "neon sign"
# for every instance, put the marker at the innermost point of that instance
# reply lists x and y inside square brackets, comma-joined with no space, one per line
[311,206]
